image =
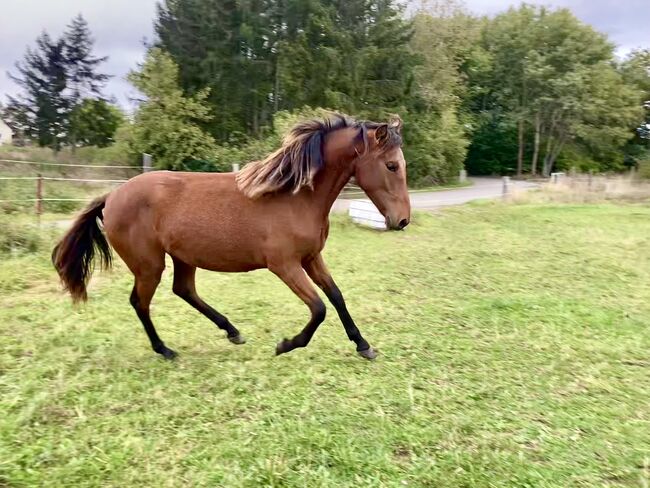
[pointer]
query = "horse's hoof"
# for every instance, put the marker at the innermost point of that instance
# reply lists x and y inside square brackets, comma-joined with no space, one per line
[369,353]
[283,346]
[167,353]
[238,339]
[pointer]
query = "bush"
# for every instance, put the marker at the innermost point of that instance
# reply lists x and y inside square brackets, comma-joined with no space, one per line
[434,147]
[644,169]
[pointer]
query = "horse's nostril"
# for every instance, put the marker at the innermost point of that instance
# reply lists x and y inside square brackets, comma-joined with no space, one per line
[403,223]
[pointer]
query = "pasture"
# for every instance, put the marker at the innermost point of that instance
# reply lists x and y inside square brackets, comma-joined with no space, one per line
[514,351]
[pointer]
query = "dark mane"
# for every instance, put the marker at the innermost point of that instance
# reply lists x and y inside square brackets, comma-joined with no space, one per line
[294,165]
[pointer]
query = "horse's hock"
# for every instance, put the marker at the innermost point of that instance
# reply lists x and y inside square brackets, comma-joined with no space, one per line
[364,212]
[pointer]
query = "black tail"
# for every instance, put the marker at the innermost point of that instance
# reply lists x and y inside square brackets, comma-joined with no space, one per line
[73,255]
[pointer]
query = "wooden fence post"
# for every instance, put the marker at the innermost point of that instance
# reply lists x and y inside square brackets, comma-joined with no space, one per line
[39,197]
[235,167]
[462,176]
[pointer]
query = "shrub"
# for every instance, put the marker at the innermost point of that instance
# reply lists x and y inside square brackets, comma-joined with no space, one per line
[644,168]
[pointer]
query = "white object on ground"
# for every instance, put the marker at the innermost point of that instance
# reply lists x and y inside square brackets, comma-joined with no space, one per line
[365,213]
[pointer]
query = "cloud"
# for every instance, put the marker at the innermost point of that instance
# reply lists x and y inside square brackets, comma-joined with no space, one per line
[119,28]
[626,22]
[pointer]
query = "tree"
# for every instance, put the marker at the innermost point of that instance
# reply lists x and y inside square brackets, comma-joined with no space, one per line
[42,107]
[635,70]
[436,141]
[95,122]
[549,69]
[83,80]
[56,77]
[167,122]
[262,56]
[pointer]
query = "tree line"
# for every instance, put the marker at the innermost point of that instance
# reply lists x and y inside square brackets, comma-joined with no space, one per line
[525,92]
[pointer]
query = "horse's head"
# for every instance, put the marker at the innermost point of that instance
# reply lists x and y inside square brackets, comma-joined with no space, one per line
[381,173]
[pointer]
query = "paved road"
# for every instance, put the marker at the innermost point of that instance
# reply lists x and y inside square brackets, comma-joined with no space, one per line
[482,188]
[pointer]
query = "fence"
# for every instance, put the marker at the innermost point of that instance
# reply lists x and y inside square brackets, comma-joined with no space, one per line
[40,180]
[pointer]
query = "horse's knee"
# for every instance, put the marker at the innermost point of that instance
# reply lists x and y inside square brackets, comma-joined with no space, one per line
[318,311]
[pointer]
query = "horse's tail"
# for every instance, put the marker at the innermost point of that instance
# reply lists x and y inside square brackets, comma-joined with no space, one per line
[73,255]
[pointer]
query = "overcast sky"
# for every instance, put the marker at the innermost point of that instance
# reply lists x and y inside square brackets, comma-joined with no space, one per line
[121,26]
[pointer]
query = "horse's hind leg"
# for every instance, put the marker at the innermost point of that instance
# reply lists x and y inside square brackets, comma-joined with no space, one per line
[185,287]
[143,291]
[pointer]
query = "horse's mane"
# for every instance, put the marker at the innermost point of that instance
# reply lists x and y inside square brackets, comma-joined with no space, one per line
[295,164]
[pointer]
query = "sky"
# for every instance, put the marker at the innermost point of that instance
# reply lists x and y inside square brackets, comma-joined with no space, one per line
[121,27]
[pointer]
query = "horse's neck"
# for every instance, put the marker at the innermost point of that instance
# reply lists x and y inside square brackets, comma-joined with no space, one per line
[340,152]
[329,184]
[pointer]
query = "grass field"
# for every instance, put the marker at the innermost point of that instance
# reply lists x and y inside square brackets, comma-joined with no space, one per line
[515,351]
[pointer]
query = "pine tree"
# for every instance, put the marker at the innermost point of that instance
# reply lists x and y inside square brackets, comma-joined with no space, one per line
[83,80]
[43,106]
[56,77]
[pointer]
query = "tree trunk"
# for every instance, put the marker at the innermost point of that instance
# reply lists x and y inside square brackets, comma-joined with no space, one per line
[520,152]
[276,85]
[547,156]
[538,129]
[556,153]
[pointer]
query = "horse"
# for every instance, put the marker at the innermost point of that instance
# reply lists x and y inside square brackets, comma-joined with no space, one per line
[272,214]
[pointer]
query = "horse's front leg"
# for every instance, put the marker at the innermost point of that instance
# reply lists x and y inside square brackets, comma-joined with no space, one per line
[317,271]
[294,276]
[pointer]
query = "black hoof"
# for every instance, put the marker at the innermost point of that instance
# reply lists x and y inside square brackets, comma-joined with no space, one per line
[369,353]
[238,339]
[283,346]
[167,353]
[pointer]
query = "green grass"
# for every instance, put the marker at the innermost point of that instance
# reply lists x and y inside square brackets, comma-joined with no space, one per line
[515,351]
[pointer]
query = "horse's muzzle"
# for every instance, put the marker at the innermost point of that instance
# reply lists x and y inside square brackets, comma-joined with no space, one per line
[399,226]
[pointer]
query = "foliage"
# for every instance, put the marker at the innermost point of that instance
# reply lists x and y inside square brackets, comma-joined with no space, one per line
[548,72]
[636,71]
[507,366]
[95,122]
[40,112]
[166,123]
[261,57]
[644,168]
[434,147]
[61,92]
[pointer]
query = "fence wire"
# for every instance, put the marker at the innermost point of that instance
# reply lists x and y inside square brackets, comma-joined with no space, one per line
[17,161]
[39,179]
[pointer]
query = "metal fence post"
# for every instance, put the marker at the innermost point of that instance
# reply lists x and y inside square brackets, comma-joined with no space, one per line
[146,162]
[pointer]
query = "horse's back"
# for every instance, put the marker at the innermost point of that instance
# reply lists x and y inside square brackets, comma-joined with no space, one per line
[200,218]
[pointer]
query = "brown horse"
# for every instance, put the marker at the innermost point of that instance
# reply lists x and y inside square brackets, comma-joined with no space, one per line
[273,214]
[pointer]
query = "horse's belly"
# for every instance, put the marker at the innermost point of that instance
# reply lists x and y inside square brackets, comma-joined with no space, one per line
[216,251]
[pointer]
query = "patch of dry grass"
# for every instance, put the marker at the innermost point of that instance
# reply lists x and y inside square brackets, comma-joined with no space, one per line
[588,189]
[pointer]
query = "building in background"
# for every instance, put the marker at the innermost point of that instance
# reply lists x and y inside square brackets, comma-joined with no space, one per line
[6,134]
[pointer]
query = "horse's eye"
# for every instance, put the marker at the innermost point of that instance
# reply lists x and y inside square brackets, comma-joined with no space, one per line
[392,166]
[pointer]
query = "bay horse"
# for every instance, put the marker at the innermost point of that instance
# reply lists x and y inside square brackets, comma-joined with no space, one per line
[273,214]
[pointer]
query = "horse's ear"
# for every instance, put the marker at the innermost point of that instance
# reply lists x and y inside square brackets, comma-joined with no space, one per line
[381,134]
[396,123]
